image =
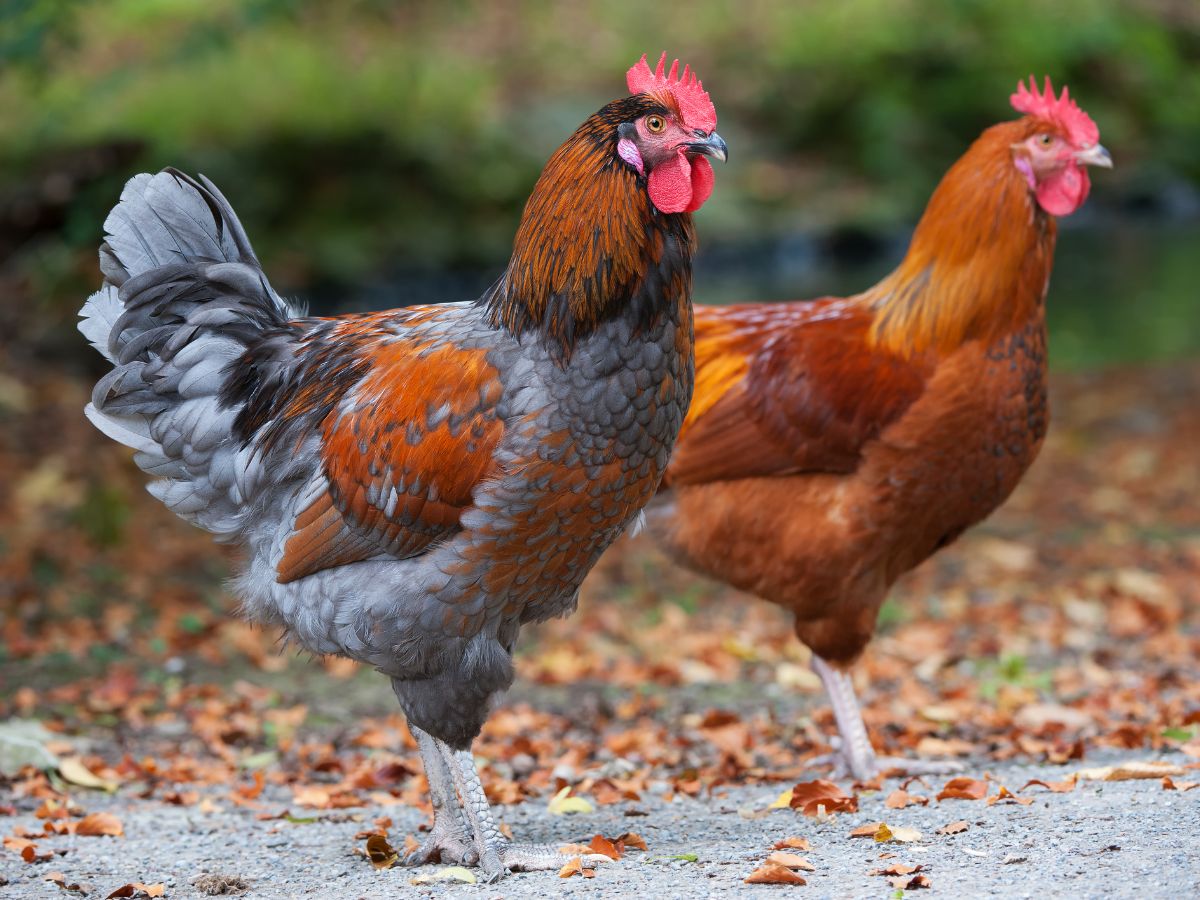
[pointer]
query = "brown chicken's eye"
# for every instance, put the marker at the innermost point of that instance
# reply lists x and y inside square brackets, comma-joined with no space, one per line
[655,124]
[1045,139]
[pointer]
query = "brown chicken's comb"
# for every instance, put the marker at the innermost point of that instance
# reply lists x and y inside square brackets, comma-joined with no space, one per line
[1063,111]
[693,101]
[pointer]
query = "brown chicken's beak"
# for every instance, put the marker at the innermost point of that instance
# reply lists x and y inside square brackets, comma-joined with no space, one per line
[713,145]
[1094,155]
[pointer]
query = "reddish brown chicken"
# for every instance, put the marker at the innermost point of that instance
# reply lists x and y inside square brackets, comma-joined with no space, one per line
[833,445]
[413,486]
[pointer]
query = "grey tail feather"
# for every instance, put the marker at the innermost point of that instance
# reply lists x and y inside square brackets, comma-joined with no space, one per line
[183,298]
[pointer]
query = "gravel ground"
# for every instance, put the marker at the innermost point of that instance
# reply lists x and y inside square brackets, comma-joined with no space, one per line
[1121,839]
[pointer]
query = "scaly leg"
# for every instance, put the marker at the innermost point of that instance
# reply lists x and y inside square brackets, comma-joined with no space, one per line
[855,756]
[451,840]
[497,855]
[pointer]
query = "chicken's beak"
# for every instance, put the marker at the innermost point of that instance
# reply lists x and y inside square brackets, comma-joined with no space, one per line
[1094,155]
[713,145]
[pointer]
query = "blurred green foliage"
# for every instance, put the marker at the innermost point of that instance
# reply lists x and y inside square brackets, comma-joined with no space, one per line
[357,136]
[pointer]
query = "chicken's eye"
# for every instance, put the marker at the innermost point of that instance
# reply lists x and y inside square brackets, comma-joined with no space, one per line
[655,124]
[1045,139]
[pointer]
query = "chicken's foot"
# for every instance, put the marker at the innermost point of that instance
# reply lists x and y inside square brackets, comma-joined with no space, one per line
[853,754]
[451,840]
[497,855]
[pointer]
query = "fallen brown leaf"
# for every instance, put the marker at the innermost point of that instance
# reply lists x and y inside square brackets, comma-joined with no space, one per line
[1058,787]
[809,797]
[896,869]
[633,841]
[900,798]
[792,843]
[138,891]
[100,824]
[381,854]
[904,883]
[1169,785]
[31,854]
[71,888]
[1127,771]
[790,861]
[602,845]
[868,830]
[769,873]
[963,789]
[576,867]
[1004,795]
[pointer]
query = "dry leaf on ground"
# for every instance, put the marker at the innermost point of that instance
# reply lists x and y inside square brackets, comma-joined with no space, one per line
[450,873]
[769,873]
[603,846]
[74,771]
[809,797]
[576,867]
[900,798]
[867,830]
[71,888]
[1128,771]
[954,828]
[790,861]
[100,824]
[562,804]
[896,869]
[1169,785]
[792,843]
[381,854]
[963,789]
[632,841]
[905,883]
[1004,795]
[138,891]
[1058,787]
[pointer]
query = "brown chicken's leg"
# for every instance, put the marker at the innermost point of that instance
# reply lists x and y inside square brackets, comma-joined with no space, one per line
[497,855]
[856,757]
[451,840]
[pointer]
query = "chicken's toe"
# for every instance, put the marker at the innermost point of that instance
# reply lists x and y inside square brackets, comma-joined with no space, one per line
[444,845]
[543,857]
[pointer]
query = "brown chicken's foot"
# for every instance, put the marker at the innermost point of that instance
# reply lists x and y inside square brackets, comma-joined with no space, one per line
[902,767]
[853,754]
[450,840]
[884,766]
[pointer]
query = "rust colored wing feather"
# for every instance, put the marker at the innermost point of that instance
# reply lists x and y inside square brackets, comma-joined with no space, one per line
[402,455]
[788,389]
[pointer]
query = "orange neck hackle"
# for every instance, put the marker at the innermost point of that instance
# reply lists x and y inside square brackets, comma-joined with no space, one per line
[590,246]
[979,261]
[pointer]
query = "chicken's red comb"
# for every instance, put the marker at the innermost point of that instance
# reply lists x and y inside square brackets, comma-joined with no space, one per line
[1063,111]
[694,103]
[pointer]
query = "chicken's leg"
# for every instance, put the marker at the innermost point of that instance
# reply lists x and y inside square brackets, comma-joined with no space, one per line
[451,840]
[497,855]
[856,757]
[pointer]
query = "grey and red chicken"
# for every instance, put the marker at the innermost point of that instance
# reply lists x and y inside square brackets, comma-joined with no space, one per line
[413,486]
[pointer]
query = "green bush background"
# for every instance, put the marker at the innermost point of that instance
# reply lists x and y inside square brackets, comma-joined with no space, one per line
[354,137]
